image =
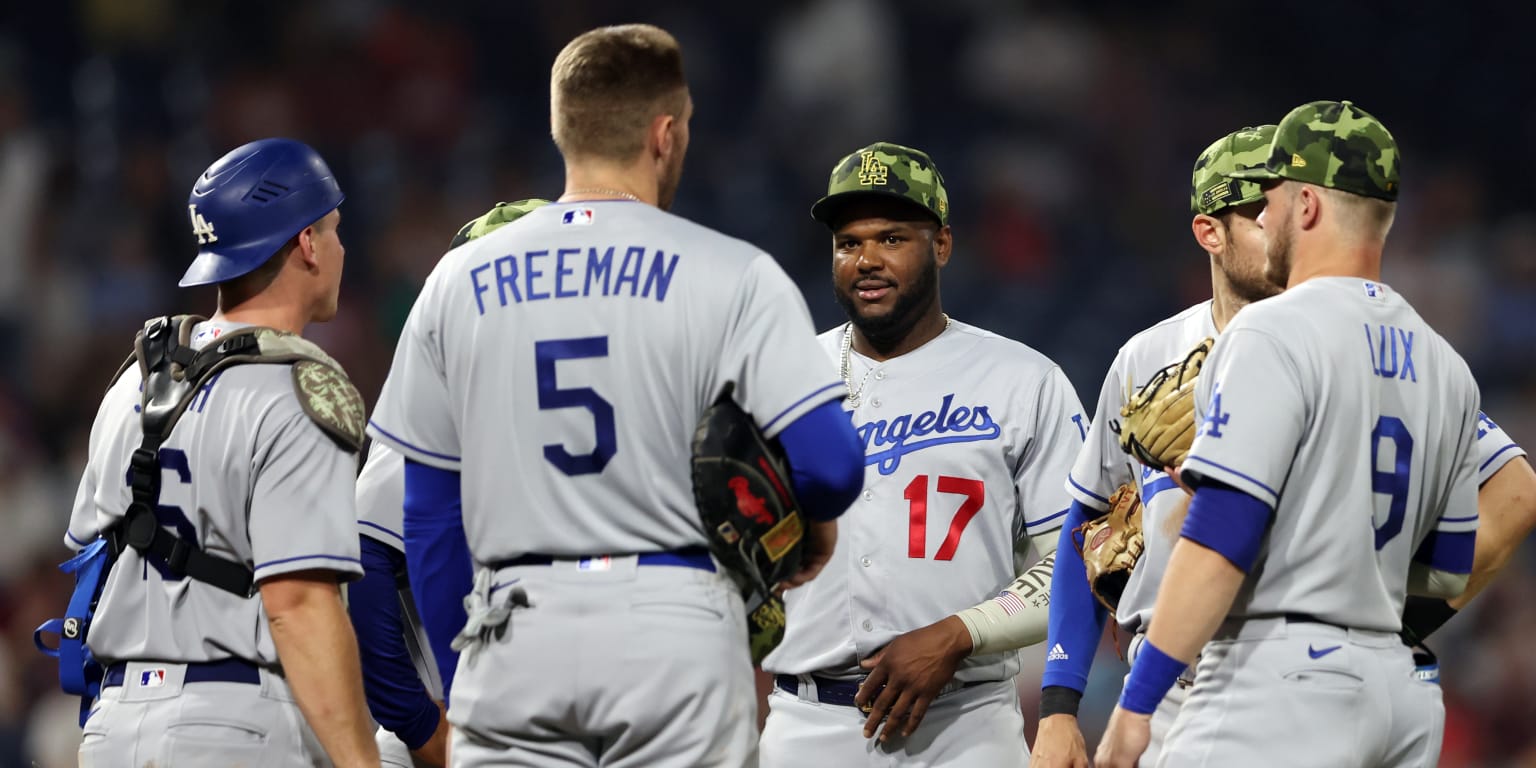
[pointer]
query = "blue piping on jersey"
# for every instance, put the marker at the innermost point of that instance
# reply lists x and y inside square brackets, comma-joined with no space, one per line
[396,438]
[1249,478]
[1028,525]
[271,563]
[1495,455]
[1155,487]
[769,426]
[75,540]
[399,536]
[1467,519]
[1085,490]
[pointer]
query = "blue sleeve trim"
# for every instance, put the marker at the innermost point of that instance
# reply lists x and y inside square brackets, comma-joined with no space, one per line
[340,558]
[1085,490]
[397,699]
[769,426]
[826,460]
[1164,483]
[1249,478]
[1028,525]
[1449,552]
[71,537]
[1458,519]
[378,527]
[1495,455]
[1153,674]
[1229,521]
[410,445]
[1076,620]
[437,559]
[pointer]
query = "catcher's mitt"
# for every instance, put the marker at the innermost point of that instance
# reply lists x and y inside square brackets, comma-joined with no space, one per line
[741,484]
[1112,545]
[1158,422]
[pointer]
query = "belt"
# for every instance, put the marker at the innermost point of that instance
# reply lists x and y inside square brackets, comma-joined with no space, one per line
[828,691]
[226,671]
[688,557]
[841,692]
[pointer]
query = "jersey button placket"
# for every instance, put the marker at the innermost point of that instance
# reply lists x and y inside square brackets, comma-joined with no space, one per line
[874,402]
[866,562]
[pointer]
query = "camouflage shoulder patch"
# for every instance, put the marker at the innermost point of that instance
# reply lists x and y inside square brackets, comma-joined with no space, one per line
[329,398]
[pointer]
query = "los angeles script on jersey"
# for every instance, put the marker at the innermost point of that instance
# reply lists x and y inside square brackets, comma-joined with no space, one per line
[567,273]
[910,432]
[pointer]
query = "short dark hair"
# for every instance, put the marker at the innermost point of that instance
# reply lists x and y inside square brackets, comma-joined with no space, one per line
[607,85]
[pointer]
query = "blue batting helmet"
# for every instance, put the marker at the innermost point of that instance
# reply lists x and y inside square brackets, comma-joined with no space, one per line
[252,201]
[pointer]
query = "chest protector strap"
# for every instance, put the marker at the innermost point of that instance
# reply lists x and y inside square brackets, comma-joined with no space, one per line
[174,373]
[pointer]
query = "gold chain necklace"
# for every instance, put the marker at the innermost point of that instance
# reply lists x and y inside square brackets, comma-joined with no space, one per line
[600,191]
[855,395]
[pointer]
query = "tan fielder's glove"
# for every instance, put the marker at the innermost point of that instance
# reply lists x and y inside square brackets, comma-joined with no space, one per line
[1157,423]
[1112,545]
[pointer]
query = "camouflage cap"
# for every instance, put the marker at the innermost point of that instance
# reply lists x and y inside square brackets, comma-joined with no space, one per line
[1211,190]
[495,218]
[887,169]
[1333,144]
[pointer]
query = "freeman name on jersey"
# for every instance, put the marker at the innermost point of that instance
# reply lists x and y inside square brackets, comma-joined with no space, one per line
[564,274]
[959,425]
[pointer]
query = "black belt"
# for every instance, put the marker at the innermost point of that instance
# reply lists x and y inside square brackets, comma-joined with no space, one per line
[226,671]
[688,557]
[1305,618]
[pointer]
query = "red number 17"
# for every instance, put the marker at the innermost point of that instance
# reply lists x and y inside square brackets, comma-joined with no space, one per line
[975,493]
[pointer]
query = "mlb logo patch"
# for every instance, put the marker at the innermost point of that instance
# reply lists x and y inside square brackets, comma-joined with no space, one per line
[578,216]
[601,563]
[152,678]
[1373,290]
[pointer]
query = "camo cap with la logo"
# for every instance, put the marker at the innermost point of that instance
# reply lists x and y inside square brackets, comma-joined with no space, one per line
[1333,144]
[886,169]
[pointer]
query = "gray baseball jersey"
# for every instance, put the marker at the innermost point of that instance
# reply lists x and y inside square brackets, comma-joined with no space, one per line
[247,476]
[966,441]
[562,362]
[1336,403]
[1102,466]
[381,516]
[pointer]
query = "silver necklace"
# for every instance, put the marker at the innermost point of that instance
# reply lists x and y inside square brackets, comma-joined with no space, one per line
[600,191]
[855,395]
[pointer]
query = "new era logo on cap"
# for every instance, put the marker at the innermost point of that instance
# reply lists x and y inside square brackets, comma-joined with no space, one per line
[578,216]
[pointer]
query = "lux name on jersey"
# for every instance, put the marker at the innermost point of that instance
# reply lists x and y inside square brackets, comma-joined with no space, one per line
[957,425]
[1391,351]
[565,273]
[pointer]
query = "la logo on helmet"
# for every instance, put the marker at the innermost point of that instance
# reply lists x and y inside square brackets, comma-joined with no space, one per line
[201,227]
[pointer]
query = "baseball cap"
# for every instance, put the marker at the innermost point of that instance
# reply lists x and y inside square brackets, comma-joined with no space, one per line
[886,169]
[1333,144]
[1211,188]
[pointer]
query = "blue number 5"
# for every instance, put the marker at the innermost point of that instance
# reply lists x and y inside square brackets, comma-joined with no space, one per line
[1394,483]
[552,397]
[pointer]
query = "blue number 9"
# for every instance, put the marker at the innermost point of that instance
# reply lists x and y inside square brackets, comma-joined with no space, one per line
[552,397]
[1394,483]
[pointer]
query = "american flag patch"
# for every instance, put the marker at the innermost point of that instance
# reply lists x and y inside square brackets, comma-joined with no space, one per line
[1010,602]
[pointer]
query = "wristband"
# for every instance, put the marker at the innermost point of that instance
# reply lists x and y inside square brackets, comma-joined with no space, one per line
[1059,700]
[1151,676]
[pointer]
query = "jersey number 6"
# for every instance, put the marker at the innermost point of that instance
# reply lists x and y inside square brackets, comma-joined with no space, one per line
[975,493]
[552,397]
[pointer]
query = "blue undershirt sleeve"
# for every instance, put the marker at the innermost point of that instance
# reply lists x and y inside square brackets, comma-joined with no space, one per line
[1076,620]
[396,697]
[826,460]
[437,558]
[1229,521]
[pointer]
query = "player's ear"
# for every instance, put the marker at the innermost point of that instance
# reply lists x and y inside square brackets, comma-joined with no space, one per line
[306,239]
[943,244]
[1209,233]
[1309,201]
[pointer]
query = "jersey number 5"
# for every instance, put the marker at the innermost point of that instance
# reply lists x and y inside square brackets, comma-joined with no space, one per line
[1393,484]
[975,493]
[552,397]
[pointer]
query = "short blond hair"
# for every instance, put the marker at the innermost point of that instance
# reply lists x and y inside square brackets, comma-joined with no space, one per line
[608,84]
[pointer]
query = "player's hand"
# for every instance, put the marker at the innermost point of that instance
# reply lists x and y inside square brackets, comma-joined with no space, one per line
[1059,744]
[908,673]
[1173,474]
[435,751]
[1125,740]
[820,540]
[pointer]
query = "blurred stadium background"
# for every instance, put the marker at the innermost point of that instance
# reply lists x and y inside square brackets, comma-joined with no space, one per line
[1066,132]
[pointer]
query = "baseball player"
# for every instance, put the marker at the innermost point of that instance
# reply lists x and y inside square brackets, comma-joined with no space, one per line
[1331,478]
[966,436]
[236,648]
[547,383]
[400,676]
[1224,224]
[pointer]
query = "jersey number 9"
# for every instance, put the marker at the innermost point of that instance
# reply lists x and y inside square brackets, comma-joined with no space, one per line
[1394,483]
